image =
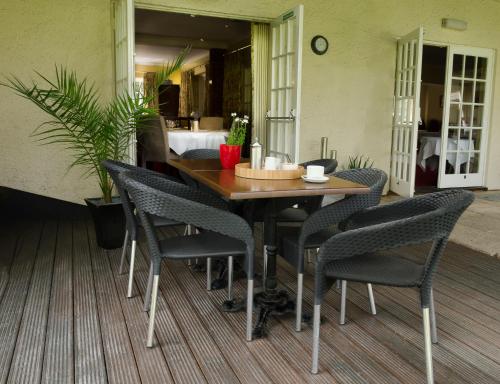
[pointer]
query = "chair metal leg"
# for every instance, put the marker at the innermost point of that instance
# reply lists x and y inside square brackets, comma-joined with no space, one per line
[209,273]
[298,303]
[249,309]
[315,348]
[230,263]
[264,265]
[434,336]
[343,295]
[309,256]
[428,345]
[124,253]
[337,284]
[147,297]
[154,295]
[131,271]
[373,309]
[187,231]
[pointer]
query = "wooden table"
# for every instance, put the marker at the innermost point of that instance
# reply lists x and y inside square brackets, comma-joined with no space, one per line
[227,184]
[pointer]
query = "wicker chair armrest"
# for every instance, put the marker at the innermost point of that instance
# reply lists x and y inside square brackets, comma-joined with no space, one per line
[178,189]
[388,235]
[151,201]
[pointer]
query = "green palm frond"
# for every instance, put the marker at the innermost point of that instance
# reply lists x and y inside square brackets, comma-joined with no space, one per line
[81,123]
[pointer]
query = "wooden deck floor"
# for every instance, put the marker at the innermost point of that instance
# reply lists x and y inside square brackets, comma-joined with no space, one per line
[64,318]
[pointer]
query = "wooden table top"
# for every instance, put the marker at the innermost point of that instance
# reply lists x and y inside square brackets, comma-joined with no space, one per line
[225,182]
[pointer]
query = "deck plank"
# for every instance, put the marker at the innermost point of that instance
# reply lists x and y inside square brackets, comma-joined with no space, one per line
[27,362]
[8,244]
[181,359]
[401,345]
[64,318]
[121,366]
[90,367]
[16,291]
[58,365]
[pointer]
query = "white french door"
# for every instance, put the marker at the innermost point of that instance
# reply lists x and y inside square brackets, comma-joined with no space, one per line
[123,11]
[466,117]
[283,117]
[406,113]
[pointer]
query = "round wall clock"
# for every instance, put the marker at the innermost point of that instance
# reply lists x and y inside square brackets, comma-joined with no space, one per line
[319,45]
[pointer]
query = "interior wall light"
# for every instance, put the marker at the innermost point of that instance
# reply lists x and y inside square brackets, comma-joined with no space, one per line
[457,25]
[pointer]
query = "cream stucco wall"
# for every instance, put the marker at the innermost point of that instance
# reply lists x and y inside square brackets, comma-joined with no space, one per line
[34,35]
[347,93]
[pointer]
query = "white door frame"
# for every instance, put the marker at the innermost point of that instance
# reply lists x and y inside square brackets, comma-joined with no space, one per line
[408,76]
[467,179]
[284,110]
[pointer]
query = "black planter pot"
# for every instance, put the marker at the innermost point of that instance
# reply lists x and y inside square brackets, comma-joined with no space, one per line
[109,222]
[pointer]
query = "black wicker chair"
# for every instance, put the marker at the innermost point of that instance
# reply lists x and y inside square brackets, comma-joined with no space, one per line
[323,224]
[114,168]
[368,251]
[224,235]
[197,154]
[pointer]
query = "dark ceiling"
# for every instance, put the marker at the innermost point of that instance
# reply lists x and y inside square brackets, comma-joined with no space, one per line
[177,25]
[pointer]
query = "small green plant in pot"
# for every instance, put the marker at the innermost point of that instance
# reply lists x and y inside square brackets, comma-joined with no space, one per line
[93,131]
[359,161]
[230,153]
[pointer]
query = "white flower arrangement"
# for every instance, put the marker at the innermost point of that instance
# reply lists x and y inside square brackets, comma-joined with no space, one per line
[238,130]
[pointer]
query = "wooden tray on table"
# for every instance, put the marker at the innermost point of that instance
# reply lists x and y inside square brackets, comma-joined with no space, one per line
[244,170]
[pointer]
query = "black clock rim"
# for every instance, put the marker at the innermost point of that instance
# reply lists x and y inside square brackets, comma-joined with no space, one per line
[313,47]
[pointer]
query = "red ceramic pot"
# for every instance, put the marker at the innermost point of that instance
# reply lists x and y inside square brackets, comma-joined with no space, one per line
[229,155]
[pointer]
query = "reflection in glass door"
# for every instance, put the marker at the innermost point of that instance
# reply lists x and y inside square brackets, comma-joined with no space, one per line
[466,120]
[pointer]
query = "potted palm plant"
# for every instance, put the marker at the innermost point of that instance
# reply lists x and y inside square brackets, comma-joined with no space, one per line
[230,153]
[93,130]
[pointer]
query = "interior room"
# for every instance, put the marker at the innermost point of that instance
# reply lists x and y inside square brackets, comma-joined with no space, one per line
[431,106]
[213,82]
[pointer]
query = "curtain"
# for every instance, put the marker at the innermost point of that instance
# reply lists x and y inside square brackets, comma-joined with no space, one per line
[260,79]
[186,94]
[149,86]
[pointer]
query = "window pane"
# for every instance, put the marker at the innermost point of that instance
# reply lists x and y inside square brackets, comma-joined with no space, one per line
[466,115]
[480,89]
[481,67]
[470,63]
[474,162]
[452,134]
[457,65]
[456,90]
[476,139]
[478,116]
[454,115]
[468,86]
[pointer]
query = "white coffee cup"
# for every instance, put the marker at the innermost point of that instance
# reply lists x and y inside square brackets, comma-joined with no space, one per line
[271,163]
[315,171]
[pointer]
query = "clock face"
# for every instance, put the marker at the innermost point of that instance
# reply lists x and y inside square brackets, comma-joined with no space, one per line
[319,45]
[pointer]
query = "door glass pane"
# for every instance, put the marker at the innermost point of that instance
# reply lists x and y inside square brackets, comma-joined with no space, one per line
[451,156]
[452,133]
[474,162]
[476,139]
[481,68]
[466,115]
[470,64]
[478,116]
[456,90]
[457,65]
[454,115]
[467,94]
[479,94]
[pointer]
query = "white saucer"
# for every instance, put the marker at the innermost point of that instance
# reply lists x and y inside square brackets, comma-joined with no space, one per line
[321,179]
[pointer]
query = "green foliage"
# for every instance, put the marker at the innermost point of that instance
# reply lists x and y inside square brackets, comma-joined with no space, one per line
[359,161]
[238,130]
[90,129]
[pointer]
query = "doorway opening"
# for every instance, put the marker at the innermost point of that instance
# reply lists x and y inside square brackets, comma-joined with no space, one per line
[431,116]
[215,79]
